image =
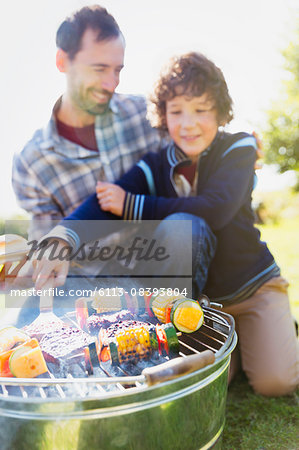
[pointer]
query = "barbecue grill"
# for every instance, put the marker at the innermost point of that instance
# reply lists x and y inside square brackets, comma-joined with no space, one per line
[116,407]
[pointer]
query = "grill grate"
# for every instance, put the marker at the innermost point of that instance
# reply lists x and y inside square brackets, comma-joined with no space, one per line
[215,334]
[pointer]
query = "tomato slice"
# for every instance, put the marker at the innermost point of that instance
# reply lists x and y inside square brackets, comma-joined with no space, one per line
[167,314]
[162,340]
[105,354]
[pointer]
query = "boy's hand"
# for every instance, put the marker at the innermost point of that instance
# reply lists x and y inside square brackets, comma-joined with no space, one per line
[111,197]
[259,151]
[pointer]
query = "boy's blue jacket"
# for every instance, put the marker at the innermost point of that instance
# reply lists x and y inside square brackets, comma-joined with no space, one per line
[224,188]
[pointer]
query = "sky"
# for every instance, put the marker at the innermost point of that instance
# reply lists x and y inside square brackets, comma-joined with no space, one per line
[244,38]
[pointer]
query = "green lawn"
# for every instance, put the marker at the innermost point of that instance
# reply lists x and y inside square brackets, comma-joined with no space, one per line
[283,241]
[254,422]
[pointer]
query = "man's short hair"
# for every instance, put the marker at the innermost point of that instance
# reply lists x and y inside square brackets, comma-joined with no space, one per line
[70,32]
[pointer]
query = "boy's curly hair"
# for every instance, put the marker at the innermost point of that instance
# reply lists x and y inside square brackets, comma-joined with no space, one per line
[191,74]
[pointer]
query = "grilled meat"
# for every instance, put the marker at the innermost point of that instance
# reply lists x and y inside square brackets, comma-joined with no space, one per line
[38,330]
[63,343]
[95,322]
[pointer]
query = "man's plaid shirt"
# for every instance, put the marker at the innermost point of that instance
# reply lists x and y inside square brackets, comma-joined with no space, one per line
[52,176]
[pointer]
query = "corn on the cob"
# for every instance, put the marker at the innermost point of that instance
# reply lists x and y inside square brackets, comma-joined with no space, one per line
[133,344]
[130,341]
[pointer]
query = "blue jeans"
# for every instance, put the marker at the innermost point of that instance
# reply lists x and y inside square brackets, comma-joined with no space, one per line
[203,248]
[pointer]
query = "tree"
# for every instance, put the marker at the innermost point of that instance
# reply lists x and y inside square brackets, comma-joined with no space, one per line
[281,136]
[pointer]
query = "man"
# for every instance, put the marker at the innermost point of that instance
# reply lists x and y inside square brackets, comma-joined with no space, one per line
[93,134]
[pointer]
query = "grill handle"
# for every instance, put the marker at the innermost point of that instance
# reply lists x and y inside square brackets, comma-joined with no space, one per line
[178,367]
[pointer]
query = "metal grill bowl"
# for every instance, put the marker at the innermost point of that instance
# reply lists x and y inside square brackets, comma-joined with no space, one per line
[123,412]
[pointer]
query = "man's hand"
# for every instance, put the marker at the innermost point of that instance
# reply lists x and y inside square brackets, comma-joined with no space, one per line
[259,151]
[44,268]
[111,197]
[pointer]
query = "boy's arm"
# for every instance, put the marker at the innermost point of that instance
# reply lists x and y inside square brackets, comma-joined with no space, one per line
[220,200]
[73,228]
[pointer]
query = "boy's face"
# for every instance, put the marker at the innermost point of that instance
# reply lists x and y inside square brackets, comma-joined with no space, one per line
[192,123]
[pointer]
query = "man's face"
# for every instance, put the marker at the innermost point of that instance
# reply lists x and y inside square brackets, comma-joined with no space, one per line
[93,74]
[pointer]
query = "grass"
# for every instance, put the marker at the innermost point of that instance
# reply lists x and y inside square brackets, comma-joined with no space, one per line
[282,239]
[254,422]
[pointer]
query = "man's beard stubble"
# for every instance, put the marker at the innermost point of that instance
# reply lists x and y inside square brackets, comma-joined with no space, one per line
[90,106]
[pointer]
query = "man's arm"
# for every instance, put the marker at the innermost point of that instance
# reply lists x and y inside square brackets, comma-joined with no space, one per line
[34,198]
[73,230]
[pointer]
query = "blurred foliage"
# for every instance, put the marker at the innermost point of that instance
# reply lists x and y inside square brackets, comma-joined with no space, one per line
[17,224]
[281,136]
[272,207]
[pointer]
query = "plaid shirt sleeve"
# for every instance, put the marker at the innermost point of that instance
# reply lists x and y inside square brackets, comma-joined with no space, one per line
[33,196]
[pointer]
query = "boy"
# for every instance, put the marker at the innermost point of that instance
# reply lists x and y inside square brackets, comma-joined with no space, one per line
[209,174]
